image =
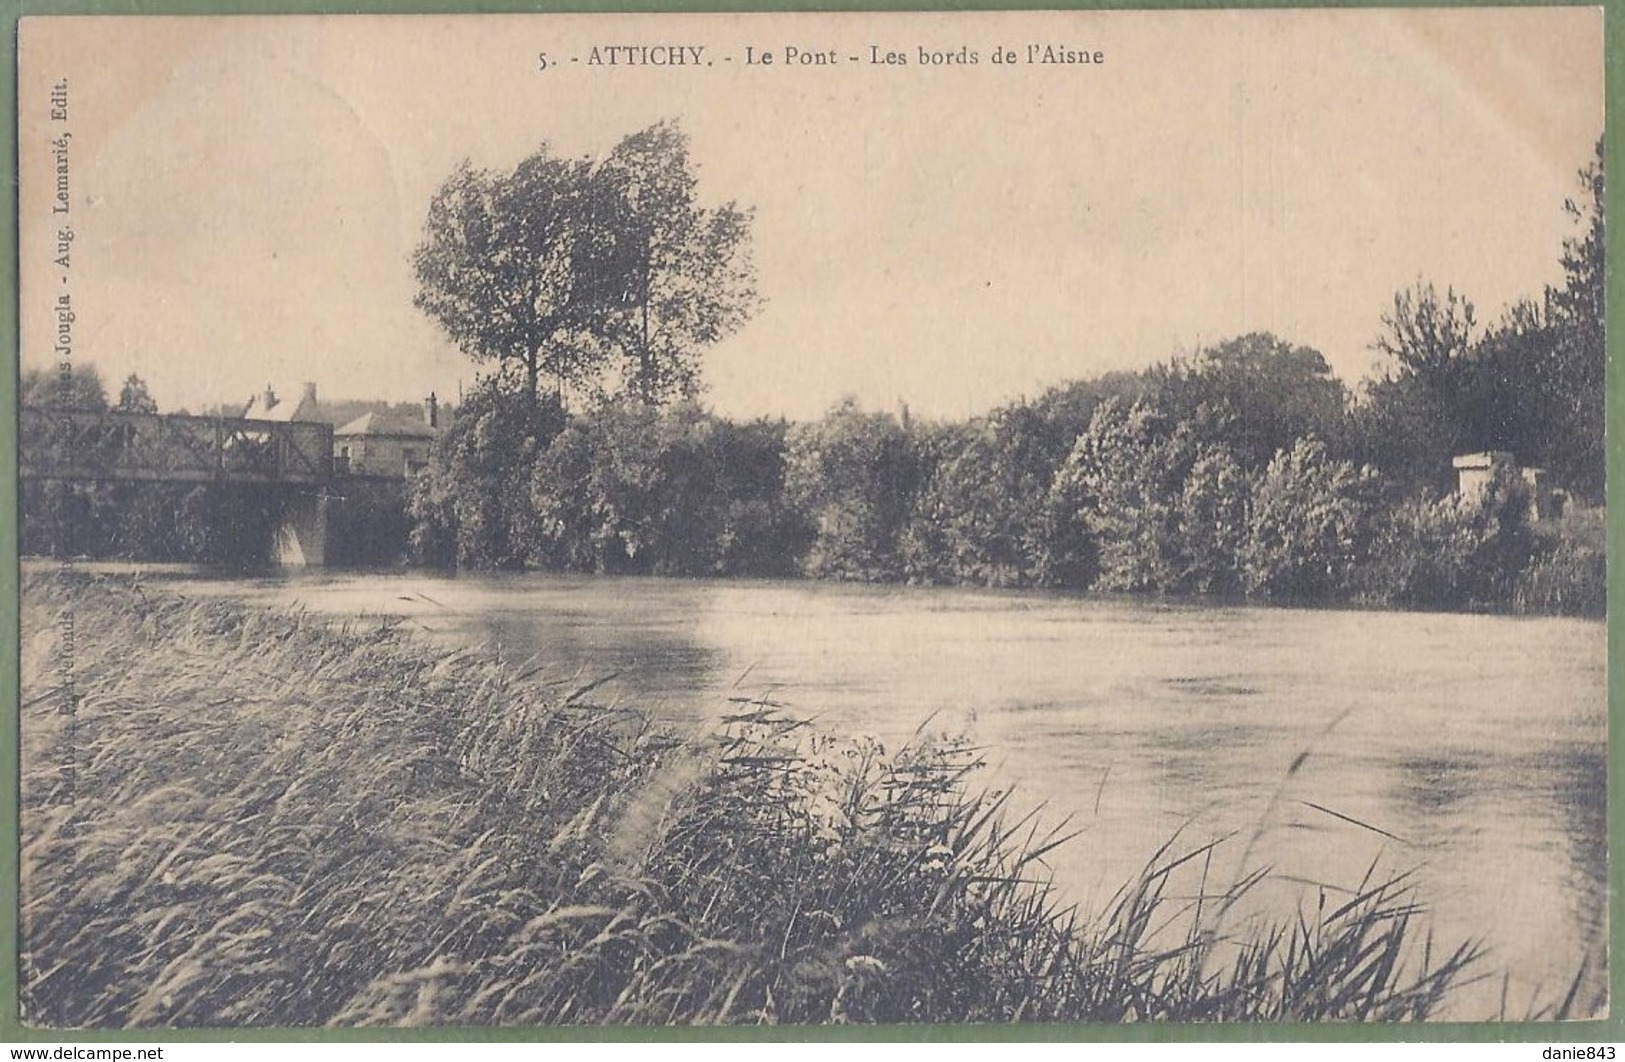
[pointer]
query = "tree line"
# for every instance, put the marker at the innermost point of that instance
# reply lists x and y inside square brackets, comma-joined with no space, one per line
[590,288]
[1246,468]
[1107,485]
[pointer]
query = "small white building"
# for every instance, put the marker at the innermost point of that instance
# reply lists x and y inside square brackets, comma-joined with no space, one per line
[1475,472]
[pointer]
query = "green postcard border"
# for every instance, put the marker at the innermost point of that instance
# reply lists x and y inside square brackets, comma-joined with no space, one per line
[11,1028]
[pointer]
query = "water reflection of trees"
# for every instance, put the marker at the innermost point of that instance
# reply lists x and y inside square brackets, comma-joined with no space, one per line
[1578,778]
[1559,792]
[1546,811]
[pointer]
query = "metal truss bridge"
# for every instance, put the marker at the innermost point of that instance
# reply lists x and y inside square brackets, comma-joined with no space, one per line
[170,448]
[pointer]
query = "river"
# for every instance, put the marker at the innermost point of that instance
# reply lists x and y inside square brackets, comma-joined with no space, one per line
[1468,749]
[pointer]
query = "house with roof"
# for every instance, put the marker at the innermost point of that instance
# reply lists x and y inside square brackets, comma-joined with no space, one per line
[386,444]
[268,405]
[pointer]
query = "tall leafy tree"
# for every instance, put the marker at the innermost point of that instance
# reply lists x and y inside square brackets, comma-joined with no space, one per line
[1421,411]
[1533,383]
[1429,335]
[677,276]
[1272,392]
[79,387]
[1581,299]
[979,513]
[134,397]
[502,263]
[1508,404]
[1127,491]
[1576,373]
[588,272]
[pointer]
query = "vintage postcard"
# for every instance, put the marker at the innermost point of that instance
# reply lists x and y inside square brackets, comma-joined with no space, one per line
[808,519]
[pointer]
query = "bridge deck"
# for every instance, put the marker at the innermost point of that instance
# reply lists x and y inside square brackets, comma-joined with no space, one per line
[170,448]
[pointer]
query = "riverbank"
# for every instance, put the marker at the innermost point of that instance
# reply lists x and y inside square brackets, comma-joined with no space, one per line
[235,817]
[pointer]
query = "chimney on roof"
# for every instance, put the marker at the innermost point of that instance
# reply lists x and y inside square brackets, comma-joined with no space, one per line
[431,411]
[268,400]
[310,393]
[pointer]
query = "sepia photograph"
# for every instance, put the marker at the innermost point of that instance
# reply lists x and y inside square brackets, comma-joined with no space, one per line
[812,519]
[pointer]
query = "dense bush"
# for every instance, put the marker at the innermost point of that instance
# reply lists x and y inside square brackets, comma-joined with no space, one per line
[1567,578]
[471,505]
[1213,523]
[1147,497]
[979,518]
[1568,571]
[1150,503]
[631,487]
[854,475]
[368,523]
[1458,551]
[762,533]
[1124,478]
[1309,526]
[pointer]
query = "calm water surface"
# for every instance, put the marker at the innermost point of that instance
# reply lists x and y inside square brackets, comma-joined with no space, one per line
[1476,744]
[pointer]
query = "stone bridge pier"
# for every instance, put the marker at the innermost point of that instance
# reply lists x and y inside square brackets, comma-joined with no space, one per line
[301,538]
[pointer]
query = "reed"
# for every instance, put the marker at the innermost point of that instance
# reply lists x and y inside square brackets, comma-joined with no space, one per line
[238,817]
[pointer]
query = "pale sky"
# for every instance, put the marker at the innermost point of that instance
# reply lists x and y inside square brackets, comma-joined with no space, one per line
[246,192]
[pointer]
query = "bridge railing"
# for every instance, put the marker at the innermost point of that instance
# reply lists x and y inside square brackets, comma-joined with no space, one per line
[176,448]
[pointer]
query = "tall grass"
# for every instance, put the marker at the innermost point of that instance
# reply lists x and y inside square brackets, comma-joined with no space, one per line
[247,817]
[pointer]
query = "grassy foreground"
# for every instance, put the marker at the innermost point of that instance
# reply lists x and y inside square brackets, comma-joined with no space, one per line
[239,817]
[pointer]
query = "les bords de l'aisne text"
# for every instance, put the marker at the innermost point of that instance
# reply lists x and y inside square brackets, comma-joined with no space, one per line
[800,55]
